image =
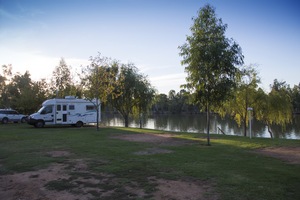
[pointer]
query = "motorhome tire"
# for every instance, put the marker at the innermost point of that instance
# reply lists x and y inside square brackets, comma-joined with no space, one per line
[79,124]
[39,124]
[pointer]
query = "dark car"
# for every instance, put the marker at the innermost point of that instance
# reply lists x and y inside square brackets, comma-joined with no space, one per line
[9,115]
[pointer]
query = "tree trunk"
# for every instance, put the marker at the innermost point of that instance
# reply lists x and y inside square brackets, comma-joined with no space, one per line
[140,120]
[97,119]
[97,106]
[270,131]
[208,125]
[245,126]
[126,119]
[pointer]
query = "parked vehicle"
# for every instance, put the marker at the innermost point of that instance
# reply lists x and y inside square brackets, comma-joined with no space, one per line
[10,115]
[70,111]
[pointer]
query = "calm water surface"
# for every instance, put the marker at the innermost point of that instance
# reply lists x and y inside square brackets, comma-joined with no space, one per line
[197,124]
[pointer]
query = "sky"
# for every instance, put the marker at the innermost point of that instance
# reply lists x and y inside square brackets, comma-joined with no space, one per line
[36,34]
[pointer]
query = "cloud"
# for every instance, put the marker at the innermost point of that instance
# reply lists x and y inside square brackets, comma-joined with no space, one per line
[168,82]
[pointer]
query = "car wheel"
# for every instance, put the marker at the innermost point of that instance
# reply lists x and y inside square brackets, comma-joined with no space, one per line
[4,120]
[79,124]
[23,120]
[39,124]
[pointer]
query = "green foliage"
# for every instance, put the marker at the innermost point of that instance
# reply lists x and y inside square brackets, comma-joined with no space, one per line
[119,84]
[245,95]
[20,92]
[135,93]
[276,107]
[210,60]
[99,79]
[62,81]
[295,94]
[174,103]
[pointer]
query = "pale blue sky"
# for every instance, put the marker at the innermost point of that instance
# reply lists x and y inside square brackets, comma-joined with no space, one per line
[34,35]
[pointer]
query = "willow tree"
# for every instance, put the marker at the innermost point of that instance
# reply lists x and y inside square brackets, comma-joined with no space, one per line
[245,95]
[135,93]
[276,107]
[210,60]
[143,97]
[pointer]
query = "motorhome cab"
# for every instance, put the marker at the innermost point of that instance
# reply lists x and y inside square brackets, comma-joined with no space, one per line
[70,110]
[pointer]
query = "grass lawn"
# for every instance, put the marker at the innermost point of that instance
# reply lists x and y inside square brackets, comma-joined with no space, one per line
[86,164]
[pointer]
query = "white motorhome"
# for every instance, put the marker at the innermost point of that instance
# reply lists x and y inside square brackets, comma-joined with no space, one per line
[70,110]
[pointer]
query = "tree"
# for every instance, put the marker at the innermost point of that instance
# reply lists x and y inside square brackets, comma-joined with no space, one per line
[135,92]
[161,103]
[295,93]
[244,96]
[99,80]
[23,94]
[4,80]
[61,81]
[210,59]
[143,97]
[276,107]
[41,91]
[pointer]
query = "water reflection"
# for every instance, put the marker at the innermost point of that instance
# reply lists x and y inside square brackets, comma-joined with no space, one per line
[197,124]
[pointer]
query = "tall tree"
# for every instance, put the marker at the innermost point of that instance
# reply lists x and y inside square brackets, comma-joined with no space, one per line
[61,82]
[210,59]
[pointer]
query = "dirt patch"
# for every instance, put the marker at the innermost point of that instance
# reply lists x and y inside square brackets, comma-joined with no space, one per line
[287,154]
[29,185]
[184,189]
[74,180]
[152,151]
[159,139]
[58,154]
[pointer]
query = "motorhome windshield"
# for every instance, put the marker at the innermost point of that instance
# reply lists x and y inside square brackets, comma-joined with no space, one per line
[40,110]
[46,109]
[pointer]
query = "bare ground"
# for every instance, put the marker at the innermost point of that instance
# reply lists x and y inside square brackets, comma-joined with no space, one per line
[159,139]
[288,154]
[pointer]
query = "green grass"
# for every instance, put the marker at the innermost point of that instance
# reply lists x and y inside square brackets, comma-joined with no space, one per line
[230,164]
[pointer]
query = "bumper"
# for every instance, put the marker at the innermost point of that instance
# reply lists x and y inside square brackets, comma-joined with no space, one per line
[31,121]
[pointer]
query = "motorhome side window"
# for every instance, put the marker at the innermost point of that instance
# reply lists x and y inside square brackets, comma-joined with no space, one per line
[47,109]
[71,107]
[91,107]
[58,107]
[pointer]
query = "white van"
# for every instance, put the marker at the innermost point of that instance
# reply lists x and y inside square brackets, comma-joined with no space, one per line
[70,110]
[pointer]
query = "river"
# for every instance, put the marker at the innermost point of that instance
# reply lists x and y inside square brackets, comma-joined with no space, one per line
[197,124]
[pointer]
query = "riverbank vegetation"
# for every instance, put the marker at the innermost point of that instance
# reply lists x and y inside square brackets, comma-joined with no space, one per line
[124,163]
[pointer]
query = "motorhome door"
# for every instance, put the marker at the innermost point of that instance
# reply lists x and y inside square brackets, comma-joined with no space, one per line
[61,113]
